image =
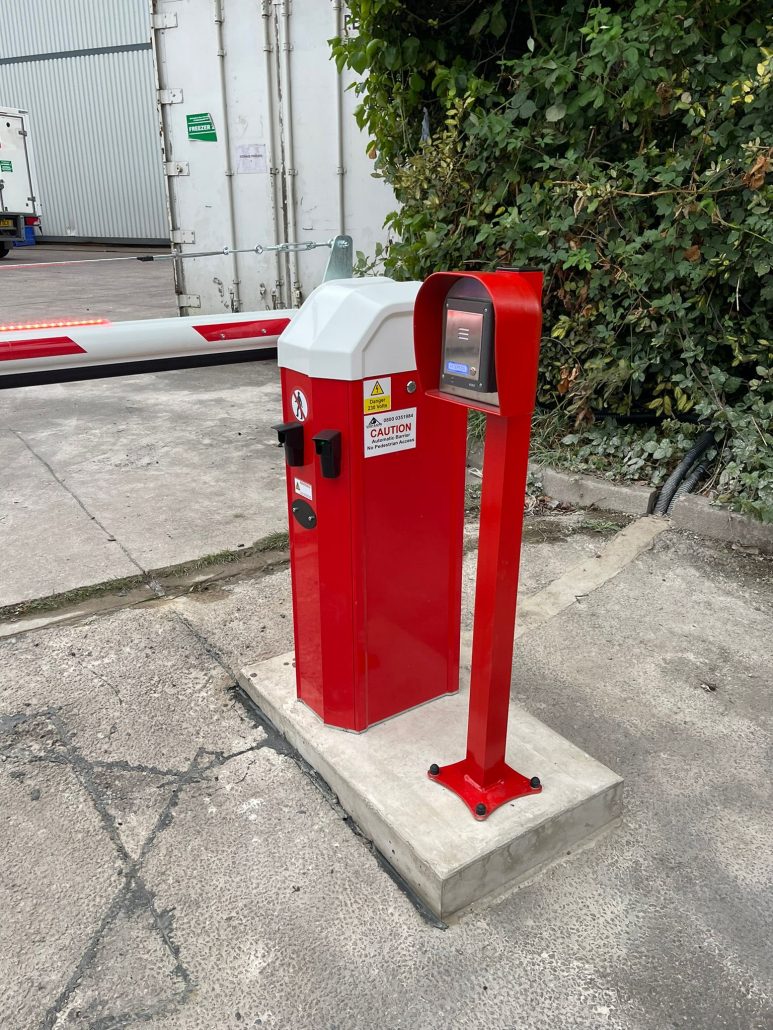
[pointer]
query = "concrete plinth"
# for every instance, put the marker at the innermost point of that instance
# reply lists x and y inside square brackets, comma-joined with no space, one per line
[424,831]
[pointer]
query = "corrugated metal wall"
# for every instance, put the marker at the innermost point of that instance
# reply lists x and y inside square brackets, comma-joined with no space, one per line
[84,71]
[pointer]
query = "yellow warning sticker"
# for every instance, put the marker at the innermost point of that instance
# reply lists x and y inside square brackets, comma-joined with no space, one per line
[377,394]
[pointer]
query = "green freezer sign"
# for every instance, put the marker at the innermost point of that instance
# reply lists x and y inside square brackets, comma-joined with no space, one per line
[6,166]
[201,126]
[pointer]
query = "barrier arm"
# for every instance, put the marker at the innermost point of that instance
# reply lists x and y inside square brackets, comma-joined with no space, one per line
[58,351]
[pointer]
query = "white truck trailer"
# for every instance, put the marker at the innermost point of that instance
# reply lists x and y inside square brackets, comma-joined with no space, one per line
[260,146]
[19,204]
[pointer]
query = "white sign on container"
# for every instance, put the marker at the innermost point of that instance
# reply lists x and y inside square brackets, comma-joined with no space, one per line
[251,159]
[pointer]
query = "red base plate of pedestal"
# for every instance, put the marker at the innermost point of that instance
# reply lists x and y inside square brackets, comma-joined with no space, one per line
[482,801]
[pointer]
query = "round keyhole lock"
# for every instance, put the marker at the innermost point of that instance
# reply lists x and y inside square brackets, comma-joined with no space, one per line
[304,514]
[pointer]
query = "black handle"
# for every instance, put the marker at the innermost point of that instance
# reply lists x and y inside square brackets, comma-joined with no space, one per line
[291,438]
[328,446]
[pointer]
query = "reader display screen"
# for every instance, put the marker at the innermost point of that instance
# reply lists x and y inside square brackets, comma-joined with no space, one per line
[463,338]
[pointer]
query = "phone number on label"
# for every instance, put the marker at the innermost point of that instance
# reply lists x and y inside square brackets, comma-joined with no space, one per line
[397,416]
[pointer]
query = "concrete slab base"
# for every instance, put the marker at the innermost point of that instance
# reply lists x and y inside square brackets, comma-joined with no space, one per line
[380,777]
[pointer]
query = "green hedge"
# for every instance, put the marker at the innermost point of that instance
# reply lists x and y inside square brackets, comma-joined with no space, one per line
[625,150]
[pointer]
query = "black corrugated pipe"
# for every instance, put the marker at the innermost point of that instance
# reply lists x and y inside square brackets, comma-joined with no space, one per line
[688,484]
[674,481]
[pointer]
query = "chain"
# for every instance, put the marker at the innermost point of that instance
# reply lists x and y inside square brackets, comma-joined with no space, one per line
[176,255]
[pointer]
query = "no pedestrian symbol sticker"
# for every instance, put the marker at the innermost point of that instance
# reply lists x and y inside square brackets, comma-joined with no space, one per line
[395,431]
[377,394]
[299,405]
[201,127]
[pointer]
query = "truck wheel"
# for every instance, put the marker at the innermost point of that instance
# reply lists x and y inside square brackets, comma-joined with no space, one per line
[5,250]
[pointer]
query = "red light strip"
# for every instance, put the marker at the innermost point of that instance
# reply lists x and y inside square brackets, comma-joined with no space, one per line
[25,326]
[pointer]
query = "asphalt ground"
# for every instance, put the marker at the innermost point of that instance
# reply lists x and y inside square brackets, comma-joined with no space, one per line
[118,290]
[113,478]
[97,477]
[167,861]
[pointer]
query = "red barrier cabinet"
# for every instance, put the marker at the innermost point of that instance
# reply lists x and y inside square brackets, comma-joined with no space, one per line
[375,491]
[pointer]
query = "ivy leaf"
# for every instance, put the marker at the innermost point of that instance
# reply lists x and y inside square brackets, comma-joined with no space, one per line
[498,22]
[555,112]
[390,57]
[480,23]
[410,52]
[358,61]
[646,134]
[373,49]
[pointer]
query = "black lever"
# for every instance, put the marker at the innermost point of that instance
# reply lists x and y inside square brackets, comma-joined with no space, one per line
[291,438]
[328,446]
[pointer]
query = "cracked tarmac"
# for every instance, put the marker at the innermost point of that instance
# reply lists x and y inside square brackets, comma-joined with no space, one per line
[131,803]
[134,803]
[167,861]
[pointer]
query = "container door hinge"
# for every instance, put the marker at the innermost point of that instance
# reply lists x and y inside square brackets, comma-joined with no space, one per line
[176,168]
[169,96]
[188,300]
[182,236]
[164,21]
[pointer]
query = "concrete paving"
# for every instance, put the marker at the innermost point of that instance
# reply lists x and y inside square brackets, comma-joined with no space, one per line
[113,477]
[97,477]
[49,542]
[426,832]
[118,290]
[165,862]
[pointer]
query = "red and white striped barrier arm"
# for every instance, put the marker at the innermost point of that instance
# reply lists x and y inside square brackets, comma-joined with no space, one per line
[47,346]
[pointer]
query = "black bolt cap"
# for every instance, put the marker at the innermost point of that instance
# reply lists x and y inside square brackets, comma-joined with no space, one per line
[535,782]
[434,769]
[480,808]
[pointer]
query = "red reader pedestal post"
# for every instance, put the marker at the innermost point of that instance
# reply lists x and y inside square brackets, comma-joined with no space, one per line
[477,345]
[375,491]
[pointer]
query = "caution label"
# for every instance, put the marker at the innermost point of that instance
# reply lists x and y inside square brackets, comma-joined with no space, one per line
[377,394]
[395,431]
